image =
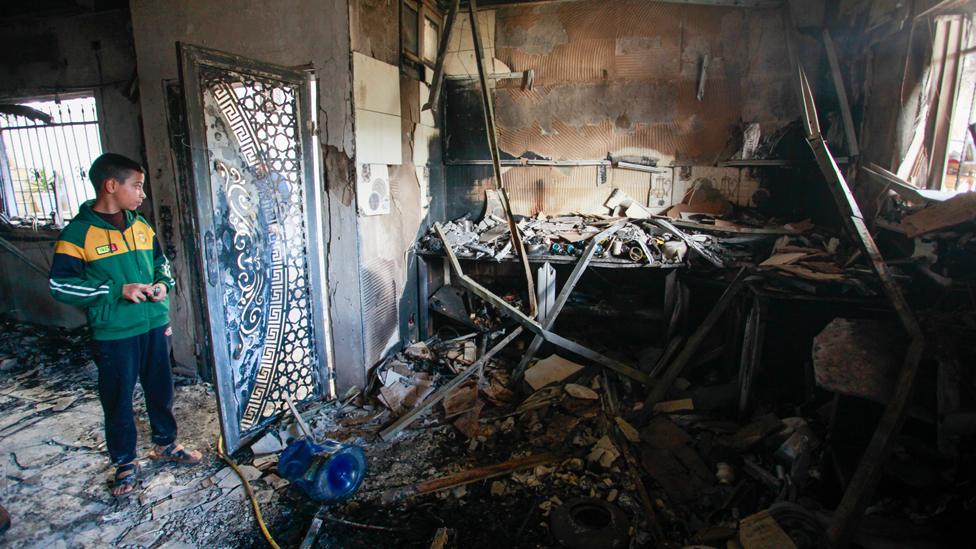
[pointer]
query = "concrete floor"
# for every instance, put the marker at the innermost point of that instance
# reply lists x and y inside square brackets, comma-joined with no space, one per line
[53,465]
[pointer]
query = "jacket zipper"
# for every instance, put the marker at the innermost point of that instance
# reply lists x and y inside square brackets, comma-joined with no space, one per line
[135,257]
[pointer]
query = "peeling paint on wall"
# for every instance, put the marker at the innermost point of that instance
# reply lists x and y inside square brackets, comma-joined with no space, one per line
[615,76]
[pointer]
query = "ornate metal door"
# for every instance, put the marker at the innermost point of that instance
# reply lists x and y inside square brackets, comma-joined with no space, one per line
[258,220]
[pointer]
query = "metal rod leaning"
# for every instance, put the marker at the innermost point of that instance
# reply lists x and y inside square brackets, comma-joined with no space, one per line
[563,297]
[489,111]
[408,418]
[533,326]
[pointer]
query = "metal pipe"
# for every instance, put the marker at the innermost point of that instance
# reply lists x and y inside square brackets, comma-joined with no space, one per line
[529,162]
[638,167]
[489,112]
[61,164]
[54,160]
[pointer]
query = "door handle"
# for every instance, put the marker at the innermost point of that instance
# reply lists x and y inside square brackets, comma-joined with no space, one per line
[210,247]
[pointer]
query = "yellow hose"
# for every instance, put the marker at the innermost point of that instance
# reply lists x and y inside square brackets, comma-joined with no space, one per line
[250,493]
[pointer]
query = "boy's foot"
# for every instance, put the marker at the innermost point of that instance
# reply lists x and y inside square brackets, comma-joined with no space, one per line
[126,476]
[175,453]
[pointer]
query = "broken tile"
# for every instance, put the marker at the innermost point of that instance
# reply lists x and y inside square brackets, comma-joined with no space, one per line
[603,453]
[144,534]
[468,422]
[268,444]
[161,486]
[461,399]
[275,481]
[181,502]
[265,462]
[63,403]
[37,455]
[754,432]
[671,406]
[581,392]
[628,430]
[407,392]
[551,369]
[440,540]
[761,531]
[232,480]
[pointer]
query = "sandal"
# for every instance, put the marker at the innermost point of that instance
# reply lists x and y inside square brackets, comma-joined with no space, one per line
[175,453]
[126,476]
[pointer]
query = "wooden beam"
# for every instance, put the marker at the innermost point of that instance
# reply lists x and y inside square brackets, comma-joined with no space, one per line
[845,107]
[862,485]
[946,86]
[467,477]
[438,80]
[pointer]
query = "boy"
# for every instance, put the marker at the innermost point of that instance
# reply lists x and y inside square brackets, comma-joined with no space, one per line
[108,261]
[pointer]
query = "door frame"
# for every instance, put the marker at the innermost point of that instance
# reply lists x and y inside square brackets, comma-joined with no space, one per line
[190,57]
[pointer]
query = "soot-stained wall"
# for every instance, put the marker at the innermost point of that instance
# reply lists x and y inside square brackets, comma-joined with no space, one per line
[47,57]
[290,33]
[388,265]
[621,78]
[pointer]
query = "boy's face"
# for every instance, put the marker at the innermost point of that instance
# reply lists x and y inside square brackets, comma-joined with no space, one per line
[128,194]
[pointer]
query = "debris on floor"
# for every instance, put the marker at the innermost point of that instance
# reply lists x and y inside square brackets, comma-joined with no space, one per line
[55,468]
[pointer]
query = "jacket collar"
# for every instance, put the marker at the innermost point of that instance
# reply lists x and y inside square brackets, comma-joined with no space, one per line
[88,215]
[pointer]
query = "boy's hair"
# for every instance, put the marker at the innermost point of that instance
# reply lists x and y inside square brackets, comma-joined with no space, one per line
[111,166]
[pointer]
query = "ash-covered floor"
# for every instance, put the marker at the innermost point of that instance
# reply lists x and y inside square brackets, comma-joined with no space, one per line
[55,470]
[688,476]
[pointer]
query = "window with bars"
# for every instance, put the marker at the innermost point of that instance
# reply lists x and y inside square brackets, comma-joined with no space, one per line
[46,147]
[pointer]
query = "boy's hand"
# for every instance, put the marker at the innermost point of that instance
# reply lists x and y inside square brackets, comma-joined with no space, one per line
[136,293]
[156,292]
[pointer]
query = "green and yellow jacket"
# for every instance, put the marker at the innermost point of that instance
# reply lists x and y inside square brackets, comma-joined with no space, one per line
[93,260]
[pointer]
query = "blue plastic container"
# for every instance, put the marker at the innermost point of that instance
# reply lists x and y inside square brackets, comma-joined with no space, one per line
[326,472]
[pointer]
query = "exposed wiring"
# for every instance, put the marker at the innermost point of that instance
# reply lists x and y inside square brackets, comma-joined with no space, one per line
[250,493]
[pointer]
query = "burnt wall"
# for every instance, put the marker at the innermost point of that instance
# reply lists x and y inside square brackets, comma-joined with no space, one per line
[291,33]
[58,55]
[622,78]
[389,293]
[619,78]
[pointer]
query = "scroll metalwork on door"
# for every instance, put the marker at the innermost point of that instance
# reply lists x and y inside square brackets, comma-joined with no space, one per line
[258,212]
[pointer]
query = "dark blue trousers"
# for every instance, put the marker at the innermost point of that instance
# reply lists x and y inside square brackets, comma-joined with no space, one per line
[120,362]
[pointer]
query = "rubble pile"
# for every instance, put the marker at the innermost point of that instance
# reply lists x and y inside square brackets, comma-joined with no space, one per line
[565,436]
[564,236]
[933,235]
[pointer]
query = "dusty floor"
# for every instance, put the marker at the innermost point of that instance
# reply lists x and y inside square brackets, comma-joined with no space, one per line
[54,468]
[54,472]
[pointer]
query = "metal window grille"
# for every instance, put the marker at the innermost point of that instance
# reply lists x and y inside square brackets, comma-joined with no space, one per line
[44,166]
